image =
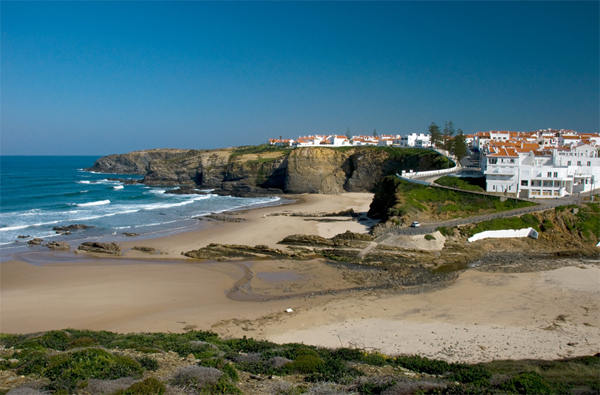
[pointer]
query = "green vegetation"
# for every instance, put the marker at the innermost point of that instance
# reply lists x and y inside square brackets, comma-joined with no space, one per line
[524,221]
[429,237]
[66,370]
[150,386]
[476,184]
[258,149]
[396,197]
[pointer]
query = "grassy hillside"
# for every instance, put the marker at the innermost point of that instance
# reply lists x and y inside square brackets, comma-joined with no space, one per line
[86,362]
[398,198]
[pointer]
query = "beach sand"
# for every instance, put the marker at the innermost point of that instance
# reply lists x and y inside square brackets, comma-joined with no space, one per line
[479,317]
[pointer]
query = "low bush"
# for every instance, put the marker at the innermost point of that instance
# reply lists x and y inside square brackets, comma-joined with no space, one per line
[422,364]
[196,376]
[306,364]
[148,363]
[530,383]
[429,237]
[66,370]
[150,386]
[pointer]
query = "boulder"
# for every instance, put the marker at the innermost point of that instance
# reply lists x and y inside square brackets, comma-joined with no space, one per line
[23,236]
[131,234]
[71,227]
[36,241]
[148,250]
[100,248]
[58,245]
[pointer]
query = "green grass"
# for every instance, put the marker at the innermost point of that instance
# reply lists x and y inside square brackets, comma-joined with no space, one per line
[524,221]
[465,183]
[405,197]
[258,149]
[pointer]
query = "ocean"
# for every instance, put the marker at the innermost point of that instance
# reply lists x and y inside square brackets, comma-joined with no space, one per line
[38,193]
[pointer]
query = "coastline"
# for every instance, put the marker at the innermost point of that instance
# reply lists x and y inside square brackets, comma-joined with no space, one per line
[479,316]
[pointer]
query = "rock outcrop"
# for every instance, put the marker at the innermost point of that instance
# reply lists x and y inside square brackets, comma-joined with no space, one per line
[147,250]
[58,245]
[264,170]
[100,248]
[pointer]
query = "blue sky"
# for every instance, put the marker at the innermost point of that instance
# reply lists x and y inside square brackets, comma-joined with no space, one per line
[95,78]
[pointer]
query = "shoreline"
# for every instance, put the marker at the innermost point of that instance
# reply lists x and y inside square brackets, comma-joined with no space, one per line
[476,317]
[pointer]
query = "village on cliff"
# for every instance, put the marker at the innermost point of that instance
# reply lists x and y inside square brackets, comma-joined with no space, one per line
[546,163]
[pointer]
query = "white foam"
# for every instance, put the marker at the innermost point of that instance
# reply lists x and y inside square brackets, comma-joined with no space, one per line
[118,187]
[16,227]
[84,182]
[98,203]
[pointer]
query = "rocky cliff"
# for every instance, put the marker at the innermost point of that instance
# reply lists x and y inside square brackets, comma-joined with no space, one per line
[255,169]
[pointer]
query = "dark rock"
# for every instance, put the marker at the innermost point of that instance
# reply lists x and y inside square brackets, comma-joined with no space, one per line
[225,251]
[131,234]
[125,181]
[243,190]
[58,245]
[101,248]
[148,250]
[306,240]
[186,191]
[72,227]
[23,236]
[218,217]
[36,241]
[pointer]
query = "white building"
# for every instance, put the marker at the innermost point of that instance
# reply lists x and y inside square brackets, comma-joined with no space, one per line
[414,140]
[528,172]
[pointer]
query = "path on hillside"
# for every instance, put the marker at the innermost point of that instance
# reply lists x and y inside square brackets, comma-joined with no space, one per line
[543,205]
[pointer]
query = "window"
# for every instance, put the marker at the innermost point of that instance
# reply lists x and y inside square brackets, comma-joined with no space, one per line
[535,192]
[556,184]
[556,193]
[536,183]
[569,163]
[578,163]
[524,183]
[547,183]
[589,163]
[555,174]
[549,174]
[546,193]
[492,161]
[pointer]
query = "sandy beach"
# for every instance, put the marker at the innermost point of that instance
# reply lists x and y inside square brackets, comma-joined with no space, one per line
[480,316]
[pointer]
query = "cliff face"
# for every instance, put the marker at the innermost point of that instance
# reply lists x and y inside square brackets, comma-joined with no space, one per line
[308,169]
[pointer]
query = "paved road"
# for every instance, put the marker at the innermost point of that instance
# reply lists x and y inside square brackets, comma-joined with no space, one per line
[543,204]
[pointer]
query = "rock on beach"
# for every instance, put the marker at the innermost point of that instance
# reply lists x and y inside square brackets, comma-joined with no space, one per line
[101,248]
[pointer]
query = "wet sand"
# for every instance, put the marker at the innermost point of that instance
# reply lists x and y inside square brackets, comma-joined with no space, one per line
[481,316]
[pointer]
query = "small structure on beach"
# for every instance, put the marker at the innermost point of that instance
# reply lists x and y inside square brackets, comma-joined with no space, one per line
[505,234]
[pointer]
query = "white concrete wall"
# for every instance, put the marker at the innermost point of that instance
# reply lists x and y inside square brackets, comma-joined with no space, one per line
[504,234]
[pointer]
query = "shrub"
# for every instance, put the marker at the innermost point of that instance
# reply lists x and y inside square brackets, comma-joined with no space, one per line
[83,342]
[148,363]
[446,231]
[429,237]
[56,340]
[334,370]
[102,387]
[223,365]
[472,375]
[307,364]
[66,370]
[527,383]
[196,376]
[150,386]
[423,364]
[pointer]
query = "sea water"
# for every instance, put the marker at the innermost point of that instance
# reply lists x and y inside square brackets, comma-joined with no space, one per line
[38,193]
